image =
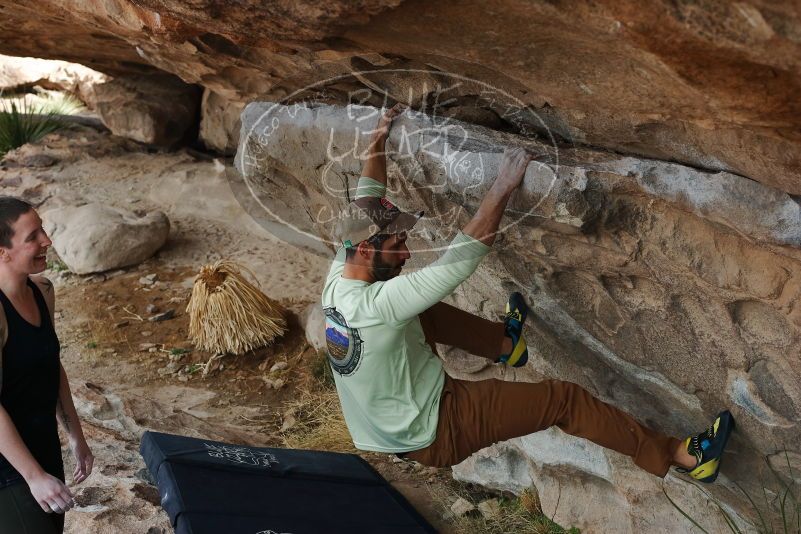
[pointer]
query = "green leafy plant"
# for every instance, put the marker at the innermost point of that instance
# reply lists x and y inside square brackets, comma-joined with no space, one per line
[522,514]
[57,266]
[24,122]
[91,345]
[194,368]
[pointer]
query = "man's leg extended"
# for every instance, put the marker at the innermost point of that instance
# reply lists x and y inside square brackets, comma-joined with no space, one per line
[446,324]
[474,415]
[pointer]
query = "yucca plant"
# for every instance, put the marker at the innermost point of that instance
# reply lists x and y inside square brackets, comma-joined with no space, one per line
[23,122]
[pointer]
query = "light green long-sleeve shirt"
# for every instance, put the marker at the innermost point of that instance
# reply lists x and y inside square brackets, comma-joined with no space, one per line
[388,379]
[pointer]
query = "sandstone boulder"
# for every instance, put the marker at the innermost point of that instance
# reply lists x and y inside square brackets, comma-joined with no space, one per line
[313,321]
[682,81]
[95,237]
[219,123]
[666,290]
[615,494]
[154,109]
[18,73]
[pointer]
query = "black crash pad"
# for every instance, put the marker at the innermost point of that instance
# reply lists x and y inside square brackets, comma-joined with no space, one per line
[209,487]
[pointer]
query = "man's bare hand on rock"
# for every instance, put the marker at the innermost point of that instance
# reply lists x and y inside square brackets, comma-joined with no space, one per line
[385,122]
[512,169]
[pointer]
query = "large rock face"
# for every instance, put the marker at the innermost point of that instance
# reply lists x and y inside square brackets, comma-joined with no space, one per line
[663,289]
[700,82]
[657,236]
[18,73]
[154,109]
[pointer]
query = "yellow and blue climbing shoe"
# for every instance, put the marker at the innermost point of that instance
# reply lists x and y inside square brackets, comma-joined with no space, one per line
[516,312]
[708,447]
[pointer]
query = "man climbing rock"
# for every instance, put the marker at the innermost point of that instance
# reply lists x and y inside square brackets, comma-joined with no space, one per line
[382,328]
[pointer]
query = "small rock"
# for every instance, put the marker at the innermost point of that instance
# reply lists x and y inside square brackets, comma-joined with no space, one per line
[462,507]
[312,319]
[167,315]
[145,333]
[289,421]
[147,346]
[152,349]
[145,476]
[176,300]
[280,366]
[183,378]
[147,493]
[151,308]
[38,161]
[490,508]
[148,280]
[273,384]
[187,283]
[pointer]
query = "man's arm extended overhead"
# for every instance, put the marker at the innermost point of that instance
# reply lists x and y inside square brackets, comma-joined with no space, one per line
[408,295]
[375,166]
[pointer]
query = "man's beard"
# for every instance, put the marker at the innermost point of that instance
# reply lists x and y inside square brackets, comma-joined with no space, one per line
[384,271]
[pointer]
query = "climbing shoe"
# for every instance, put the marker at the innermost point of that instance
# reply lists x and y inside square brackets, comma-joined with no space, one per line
[708,447]
[516,312]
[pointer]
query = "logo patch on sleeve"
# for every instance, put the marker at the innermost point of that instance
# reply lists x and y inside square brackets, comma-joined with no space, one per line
[343,343]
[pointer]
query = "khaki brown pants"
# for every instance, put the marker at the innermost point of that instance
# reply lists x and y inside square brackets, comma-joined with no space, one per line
[474,415]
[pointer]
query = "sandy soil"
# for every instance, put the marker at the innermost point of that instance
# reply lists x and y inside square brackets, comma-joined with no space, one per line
[129,374]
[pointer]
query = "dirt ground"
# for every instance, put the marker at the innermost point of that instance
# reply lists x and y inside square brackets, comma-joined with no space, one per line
[158,377]
[128,373]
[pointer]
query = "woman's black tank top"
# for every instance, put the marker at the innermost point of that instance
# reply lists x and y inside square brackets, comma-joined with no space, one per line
[31,376]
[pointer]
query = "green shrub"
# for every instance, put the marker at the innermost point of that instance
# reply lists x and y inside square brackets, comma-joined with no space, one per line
[22,122]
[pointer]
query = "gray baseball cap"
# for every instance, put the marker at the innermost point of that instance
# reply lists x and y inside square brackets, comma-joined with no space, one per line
[368,216]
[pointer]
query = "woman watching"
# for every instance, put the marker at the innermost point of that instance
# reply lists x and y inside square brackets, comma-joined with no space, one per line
[34,391]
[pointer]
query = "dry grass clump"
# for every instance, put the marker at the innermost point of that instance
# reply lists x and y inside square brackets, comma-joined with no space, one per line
[228,314]
[518,515]
[314,420]
[781,494]
[318,423]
